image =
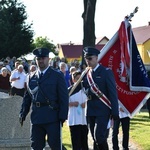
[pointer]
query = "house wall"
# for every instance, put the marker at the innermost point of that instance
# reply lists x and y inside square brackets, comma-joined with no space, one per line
[60,54]
[143,52]
[104,41]
[72,59]
[146,56]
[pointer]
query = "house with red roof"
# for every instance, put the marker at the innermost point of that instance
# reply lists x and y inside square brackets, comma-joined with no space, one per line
[72,51]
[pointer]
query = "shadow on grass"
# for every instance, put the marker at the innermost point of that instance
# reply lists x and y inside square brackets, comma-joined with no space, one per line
[140,120]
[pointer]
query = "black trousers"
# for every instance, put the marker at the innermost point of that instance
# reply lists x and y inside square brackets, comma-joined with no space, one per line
[79,137]
[15,91]
[125,123]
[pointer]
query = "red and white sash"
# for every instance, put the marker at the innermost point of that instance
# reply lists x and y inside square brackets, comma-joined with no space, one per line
[96,91]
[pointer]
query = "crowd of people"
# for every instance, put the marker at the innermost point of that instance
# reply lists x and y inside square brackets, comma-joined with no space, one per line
[13,73]
[84,96]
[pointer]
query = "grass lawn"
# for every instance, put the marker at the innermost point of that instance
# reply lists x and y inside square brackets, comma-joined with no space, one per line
[139,132]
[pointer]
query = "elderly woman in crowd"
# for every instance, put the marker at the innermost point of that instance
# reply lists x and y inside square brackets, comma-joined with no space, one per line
[4,80]
[63,69]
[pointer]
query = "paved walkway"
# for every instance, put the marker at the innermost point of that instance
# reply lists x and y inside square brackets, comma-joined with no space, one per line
[132,146]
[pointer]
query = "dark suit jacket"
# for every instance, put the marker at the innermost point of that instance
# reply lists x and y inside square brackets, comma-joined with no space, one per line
[105,81]
[54,88]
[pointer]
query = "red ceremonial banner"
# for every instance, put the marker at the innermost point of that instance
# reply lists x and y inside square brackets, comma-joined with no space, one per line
[113,56]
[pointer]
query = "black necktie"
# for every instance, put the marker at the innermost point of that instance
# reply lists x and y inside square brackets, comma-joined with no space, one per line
[93,72]
[41,75]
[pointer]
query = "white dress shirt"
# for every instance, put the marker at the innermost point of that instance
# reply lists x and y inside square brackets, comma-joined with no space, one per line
[19,84]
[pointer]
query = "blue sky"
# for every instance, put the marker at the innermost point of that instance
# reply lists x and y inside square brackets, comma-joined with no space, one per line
[60,20]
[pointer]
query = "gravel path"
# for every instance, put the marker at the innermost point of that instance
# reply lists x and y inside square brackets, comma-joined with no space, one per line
[132,146]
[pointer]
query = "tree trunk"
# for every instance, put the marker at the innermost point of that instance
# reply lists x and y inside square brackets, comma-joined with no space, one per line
[88,24]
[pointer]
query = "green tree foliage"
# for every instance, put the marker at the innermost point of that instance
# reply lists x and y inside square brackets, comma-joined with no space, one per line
[15,34]
[44,42]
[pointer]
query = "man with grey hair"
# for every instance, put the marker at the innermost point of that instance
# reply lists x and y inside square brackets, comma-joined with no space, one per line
[32,69]
[18,81]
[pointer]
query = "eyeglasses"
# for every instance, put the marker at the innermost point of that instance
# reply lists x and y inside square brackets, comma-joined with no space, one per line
[40,58]
[89,58]
[4,70]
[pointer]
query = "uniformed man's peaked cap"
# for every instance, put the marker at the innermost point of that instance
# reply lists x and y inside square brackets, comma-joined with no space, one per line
[89,51]
[41,52]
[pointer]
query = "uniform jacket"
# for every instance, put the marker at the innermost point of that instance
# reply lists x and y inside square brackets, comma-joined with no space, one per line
[104,79]
[54,88]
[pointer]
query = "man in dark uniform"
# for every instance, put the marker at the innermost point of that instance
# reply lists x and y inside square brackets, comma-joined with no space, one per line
[98,113]
[47,94]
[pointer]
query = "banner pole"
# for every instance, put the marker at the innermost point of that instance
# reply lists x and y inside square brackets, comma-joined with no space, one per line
[132,14]
[114,38]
